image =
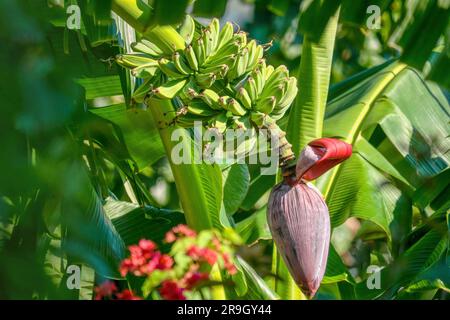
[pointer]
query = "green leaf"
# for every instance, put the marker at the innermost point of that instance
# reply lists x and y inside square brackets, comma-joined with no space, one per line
[139,132]
[417,258]
[170,12]
[257,287]
[236,180]
[279,7]
[336,271]
[315,16]
[306,116]
[101,86]
[255,227]
[208,8]
[134,222]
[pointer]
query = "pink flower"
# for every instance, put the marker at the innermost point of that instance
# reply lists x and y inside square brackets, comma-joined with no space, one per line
[127,295]
[231,268]
[170,237]
[105,290]
[192,279]
[165,262]
[171,291]
[183,230]
[210,256]
[194,252]
[147,245]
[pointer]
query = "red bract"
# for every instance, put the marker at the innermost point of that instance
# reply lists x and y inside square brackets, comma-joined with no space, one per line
[170,290]
[170,237]
[321,155]
[105,290]
[127,295]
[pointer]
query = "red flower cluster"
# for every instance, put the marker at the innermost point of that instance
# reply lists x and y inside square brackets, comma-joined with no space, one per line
[170,290]
[108,290]
[180,230]
[144,259]
[202,254]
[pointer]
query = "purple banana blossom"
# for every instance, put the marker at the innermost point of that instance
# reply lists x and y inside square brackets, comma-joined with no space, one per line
[298,215]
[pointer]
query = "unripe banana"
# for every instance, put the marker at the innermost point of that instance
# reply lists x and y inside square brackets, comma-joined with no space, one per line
[134,60]
[256,56]
[228,60]
[289,95]
[191,57]
[244,97]
[200,108]
[145,71]
[279,76]
[205,80]
[208,42]
[187,29]
[225,35]
[239,66]
[199,50]
[211,98]
[168,68]
[266,105]
[180,63]
[259,80]
[219,122]
[214,27]
[231,48]
[143,91]
[147,47]
[250,86]
[188,120]
[232,105]
[169,89]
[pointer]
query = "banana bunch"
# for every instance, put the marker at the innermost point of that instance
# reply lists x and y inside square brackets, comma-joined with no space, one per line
[219,78]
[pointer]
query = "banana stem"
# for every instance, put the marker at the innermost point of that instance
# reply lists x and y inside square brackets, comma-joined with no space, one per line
[286,155]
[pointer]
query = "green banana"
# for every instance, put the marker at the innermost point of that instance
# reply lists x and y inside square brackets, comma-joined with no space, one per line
[180,64]
[134,60]
[208,42]
[211,98]
[219,122]
[168,68]
[250,86]
[143,90]
[187,29]
[214,27]
[169,89]
[259,80]
[225,35]
[199,50]
[289,95]
[266,105]
[205,80]
[228,60]
[144,71]
[279,76]
[191,58]
[200,108]
[165,38]
[232,105]
[230,49]
[244,97]
[188,120]
[146,47]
